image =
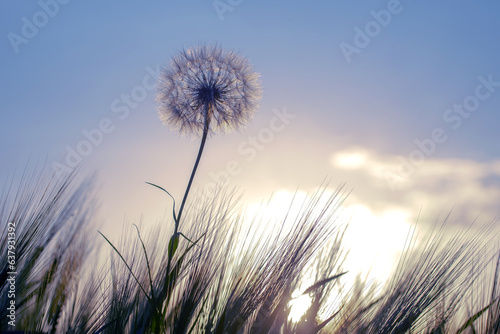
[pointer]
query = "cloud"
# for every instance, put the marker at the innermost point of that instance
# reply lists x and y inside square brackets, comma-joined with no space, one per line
[469,189]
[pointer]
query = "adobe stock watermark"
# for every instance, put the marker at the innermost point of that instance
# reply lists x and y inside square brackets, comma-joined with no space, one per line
[121,109]
[249,150]
[11,271]
[223,6]
[364,36]
[453,117]
[32,25]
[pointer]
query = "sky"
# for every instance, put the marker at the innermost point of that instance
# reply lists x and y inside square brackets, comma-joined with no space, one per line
[398,100]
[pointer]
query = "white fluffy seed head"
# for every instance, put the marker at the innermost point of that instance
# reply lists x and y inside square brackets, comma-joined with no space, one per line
[207,81]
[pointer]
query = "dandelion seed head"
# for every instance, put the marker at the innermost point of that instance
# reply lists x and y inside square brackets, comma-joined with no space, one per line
[207,82]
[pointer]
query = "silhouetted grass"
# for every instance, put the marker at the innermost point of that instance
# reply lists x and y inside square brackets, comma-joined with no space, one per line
[49,219]
[227,274]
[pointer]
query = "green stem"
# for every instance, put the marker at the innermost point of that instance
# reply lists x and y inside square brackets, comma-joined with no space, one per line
[200,151]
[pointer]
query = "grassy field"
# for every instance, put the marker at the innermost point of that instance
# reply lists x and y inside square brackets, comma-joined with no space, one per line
[219,272]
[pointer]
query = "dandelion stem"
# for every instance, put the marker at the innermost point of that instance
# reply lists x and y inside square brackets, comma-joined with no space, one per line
[200,151]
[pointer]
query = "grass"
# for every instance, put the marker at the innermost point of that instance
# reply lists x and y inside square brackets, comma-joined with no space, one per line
[220,272]
[49,219]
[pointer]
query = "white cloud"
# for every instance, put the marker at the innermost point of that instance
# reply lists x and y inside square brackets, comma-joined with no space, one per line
[436,186]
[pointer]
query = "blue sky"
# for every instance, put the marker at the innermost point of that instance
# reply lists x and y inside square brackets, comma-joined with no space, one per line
[353,117]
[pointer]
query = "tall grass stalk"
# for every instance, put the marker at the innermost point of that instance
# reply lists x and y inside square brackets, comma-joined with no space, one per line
[51,219]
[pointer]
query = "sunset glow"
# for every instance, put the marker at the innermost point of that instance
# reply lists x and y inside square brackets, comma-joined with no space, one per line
[232,126]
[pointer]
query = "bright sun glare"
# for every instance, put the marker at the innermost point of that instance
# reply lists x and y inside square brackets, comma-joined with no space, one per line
[350,160]
[374,239]
[299,306]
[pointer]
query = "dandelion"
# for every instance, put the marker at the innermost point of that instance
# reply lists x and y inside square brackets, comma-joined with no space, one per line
[205,90]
